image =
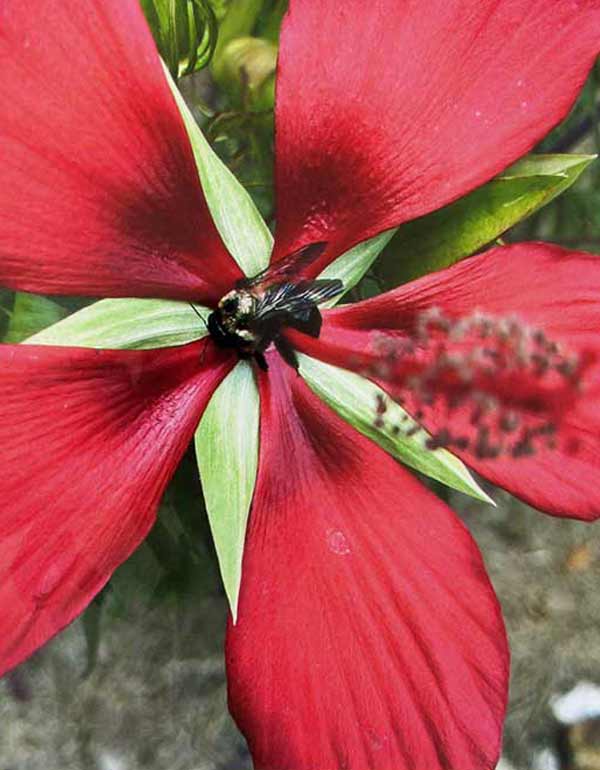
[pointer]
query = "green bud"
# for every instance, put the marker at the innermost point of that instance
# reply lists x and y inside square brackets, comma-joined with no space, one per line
[185,32]
[248,71]
[239,21]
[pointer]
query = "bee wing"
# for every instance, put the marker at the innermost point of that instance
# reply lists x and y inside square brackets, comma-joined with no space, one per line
[322,289]
[286,269]
[295,300]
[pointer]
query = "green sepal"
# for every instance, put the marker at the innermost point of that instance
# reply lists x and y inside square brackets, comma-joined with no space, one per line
[227,453]
[30,314]
[351,266]
[237,219]
[442,238]
[355,399]
[136,324]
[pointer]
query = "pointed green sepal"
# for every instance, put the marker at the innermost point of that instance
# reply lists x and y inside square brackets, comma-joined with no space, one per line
[356,399]
[227,452]
[128,323]
[237,219]
[350,267]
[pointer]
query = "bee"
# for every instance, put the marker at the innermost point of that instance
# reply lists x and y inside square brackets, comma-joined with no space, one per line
[255,313]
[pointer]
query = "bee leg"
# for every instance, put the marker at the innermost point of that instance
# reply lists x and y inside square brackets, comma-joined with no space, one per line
[286,351]
[260,359]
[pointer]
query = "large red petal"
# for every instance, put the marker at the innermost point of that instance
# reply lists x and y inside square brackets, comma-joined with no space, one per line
[99,190]
[89,441]
[368,633]
[388,110]
[537,285]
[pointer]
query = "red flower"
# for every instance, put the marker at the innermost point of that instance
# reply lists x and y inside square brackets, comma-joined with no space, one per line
[368,635]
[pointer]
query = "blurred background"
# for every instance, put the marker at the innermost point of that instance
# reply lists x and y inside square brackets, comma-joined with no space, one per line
[139,681]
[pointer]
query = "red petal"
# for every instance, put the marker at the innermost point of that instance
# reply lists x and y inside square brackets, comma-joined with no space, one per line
[386,111]
[538,285]
[100,195]
[89,441]
[368,633]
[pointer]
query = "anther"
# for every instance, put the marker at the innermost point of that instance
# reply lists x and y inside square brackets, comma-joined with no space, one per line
[509,393]
[381,407]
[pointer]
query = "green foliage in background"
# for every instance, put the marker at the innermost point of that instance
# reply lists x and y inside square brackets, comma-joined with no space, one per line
[185,32]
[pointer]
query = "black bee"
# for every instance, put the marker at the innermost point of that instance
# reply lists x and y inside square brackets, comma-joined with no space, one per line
[254,315]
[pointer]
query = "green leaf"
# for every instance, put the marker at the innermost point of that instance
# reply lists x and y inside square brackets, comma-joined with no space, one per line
[227,453]
[352,266]
[567,166]
[239,222]
[442,238]
[355,399]
[127,323]
[31,313]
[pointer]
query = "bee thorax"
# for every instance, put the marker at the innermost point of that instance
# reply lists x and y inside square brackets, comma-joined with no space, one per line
[231,323]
